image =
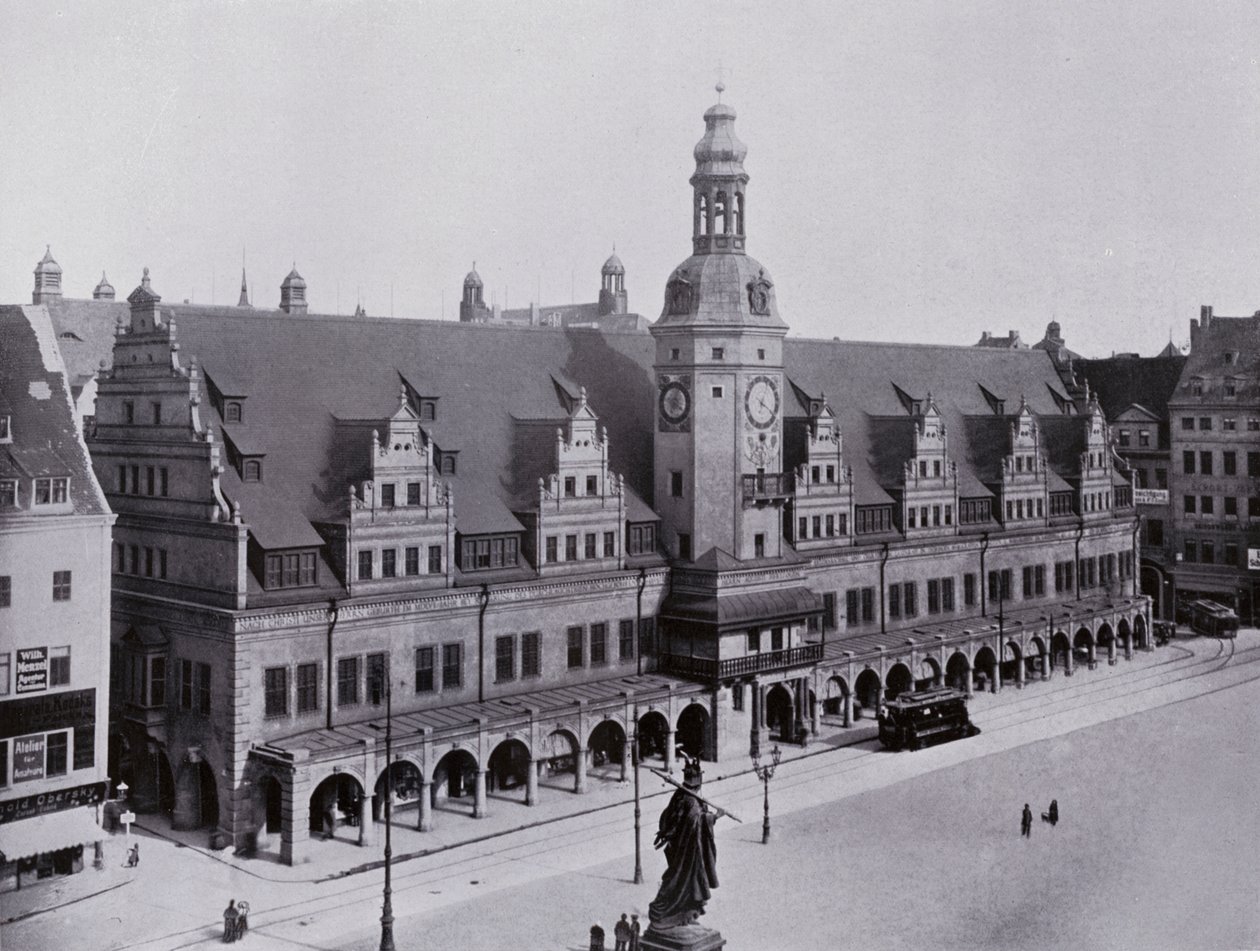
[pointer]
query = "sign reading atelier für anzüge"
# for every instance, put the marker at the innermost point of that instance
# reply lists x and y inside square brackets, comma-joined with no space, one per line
[32,669]
[38,804]
[28,758]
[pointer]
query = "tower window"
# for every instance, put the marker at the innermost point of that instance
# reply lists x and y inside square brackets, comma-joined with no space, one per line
[717,392]
[674,353]
[761,354]
[676,483]
[719,353]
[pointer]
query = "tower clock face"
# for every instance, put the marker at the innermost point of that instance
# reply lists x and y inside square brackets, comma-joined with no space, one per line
[761,402]
[675,402]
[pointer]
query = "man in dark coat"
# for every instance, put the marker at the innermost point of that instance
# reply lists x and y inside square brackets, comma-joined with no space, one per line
[686,832]
[1025,826]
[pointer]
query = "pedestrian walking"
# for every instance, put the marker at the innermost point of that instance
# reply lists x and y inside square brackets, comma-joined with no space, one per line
[242,919]
[621,934]
[230,914]
[634,933]
[1025,828]
[597,937]
[133,855]
[1054,812]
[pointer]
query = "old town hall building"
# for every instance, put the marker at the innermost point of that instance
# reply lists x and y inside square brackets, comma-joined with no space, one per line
[546,540]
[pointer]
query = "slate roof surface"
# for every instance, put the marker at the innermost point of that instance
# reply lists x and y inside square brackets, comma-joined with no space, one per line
[46,441]
[1223,335]
[316,385]
[1122,381]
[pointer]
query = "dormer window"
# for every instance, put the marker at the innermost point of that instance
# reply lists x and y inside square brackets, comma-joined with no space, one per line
[252,471]
[290,570]
[1196,387]
[428,411]
[1231,387]
[6,433]
[51,491]
[448,465]
[8,493]
[232,413]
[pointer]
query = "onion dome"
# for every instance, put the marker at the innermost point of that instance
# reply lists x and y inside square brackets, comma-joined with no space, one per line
[472,278]
[720,152]
[294,280]
[104,290]
[47,265]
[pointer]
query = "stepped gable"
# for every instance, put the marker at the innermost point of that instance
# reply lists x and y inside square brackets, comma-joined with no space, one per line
[35,394]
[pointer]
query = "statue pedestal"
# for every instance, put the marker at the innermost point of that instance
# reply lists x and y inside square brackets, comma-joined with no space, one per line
[691,937]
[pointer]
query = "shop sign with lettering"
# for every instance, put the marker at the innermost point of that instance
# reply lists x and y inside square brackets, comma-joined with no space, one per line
[1150,496]
[63,710]
[27,807]
[32,669]
[28,758]
[1253,559]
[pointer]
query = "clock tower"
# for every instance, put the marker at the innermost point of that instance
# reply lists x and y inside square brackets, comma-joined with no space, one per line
[718,446]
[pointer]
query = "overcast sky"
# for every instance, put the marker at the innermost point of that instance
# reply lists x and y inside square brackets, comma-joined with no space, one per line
[919,171]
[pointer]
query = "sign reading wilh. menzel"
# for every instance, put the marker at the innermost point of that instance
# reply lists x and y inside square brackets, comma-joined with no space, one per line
[38,804]
[32,669]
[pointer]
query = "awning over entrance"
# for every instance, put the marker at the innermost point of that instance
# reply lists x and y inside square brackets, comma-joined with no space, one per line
[48,833]
[754,609]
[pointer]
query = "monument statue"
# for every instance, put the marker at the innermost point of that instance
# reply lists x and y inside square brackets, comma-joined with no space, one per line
[686,833]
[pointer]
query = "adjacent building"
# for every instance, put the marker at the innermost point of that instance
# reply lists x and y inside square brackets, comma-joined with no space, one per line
[541,545]
[54,609]
[1214,480]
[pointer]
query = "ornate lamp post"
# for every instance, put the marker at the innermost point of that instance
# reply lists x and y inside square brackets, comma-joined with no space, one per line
[638,813]
[765,773]
[387,907]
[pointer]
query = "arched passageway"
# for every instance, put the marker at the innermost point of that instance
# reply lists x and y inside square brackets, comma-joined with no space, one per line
[608,750]
[899,681]
[335,804]
[403,781]
[1140,632]
[929,674]
[867,690]
[653,735]
[833,699]
[562,766]
[1107,641]
[1060,652]
[268,810]
[985,670]
[780,715]
[1083,647]
[958,672]
[694,733]
[455,781]
[1012,663]
[1036,662]
[507,774]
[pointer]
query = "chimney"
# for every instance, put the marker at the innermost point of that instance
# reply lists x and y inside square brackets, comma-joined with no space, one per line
[1205,316]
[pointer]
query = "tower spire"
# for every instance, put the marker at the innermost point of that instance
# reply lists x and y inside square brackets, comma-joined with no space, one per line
[244,300]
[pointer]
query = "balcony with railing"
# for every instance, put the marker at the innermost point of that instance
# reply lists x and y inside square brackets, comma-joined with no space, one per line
[712,669]
[767,487]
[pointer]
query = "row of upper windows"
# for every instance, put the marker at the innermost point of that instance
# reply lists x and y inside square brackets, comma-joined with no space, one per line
[590,550]
[60,588]
[1206,505]
[917,516]
[388,562]
[357,678]
[155,412]
[1143,478]
[1229,386]
[46,491]
[39,668]
[388,494]
[145,561]
[587,646]
[48,754]
[1017,510]
[156,480]
[1203,552]
[822,526]
[1143,438]
[715,353]
[1229,424]
[1229,462]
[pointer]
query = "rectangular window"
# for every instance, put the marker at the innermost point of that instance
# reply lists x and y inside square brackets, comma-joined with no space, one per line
[684,546]
[347,681]
[150,476]
[754,640]
[894,600]
[1253,464]
[570,486]
[504,658]
[575,636]
[365,566]
[776,639]
[599,644]
[552,549]
[817,524]
[377,671]
[1039,580]
[910,597]
[1191,552]
[829,611]
[1229,424]
[1231,555]
[276,691]
[719,353]
[307,688]
[411,561]
[947,594]
[759,545]
[969,590]
[387,495]
[61,586]
[452,666]
[934,596]
[851,606]
[1206,505]
[135,559]
[531,654]
[831,526]
[156,413]
[59,666]
[84,747]
[56,744]
[802,528]
[592,485]
[675,483]
[1207,553]
[610,544]
[162,562]
[1188,504]
[590,550]
[1205,423]
[1187,461]
[203,688]
[424,670]
[4,762]
[435,559]
[389,563]
[868,605]
[625,640]
[413,493]
[8,491]
[186,685]
[570,547]
[1229,462]
[6,591]
[1205,463]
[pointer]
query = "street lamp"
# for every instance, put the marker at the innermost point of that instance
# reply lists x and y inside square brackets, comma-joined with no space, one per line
[387,907]
[765,773]
[638,813]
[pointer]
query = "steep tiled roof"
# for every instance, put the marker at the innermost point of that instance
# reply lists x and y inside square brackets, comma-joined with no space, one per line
[1227,347]
[1122,381]
[33,388]
[315,387]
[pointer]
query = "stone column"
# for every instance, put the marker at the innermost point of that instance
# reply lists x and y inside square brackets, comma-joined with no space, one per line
[669,751]
[425,821]
[997,672]
[625,760]
[367,831]
[848,708]
[1111,652]
[531,782]
[479,796]
[1128,647]
[1067,662]
[579,771]
[1091,656]
[815,716]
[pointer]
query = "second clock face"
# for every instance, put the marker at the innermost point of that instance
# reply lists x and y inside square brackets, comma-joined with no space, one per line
[675,402]
[761,402]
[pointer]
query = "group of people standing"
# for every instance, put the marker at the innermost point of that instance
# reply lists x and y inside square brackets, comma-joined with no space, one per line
[625,933]
[235,920]
[1051,816]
